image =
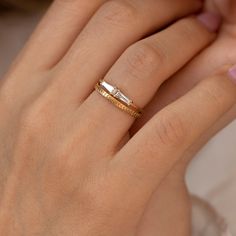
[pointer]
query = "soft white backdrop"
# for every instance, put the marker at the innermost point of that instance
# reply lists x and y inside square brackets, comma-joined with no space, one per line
[212,175]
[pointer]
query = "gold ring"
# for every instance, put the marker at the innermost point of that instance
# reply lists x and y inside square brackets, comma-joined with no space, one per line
[118,99]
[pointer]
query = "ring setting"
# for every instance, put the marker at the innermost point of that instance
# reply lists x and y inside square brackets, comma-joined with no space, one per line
[118,98]
[116,92]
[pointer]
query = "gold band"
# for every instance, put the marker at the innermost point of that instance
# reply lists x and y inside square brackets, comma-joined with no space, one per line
[131,110]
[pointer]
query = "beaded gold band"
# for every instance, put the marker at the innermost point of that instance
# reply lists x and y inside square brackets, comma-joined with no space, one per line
[119,100]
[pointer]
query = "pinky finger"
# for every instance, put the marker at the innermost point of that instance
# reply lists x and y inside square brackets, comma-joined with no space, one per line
[156,148]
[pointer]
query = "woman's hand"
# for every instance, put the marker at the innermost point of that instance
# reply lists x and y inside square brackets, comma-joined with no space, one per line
[67,165]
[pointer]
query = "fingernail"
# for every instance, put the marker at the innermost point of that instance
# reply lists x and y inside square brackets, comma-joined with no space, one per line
[232,73]
[211,20]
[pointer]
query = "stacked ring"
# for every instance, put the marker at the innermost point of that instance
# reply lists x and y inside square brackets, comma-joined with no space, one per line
[117,98]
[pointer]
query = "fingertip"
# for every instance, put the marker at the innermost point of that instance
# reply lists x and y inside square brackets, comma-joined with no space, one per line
[211,21]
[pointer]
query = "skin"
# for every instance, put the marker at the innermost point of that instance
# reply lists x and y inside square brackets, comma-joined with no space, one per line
[57,176]
[173,188]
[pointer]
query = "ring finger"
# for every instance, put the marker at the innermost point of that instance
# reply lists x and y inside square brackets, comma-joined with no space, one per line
[141,70]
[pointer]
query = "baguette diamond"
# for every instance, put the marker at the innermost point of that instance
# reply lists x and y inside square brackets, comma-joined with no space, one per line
[116,93]
[117,98]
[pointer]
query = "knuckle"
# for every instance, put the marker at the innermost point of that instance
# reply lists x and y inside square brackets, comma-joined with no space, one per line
[171,130]
[35,118]
[213,93]
[118,12]
[143,58]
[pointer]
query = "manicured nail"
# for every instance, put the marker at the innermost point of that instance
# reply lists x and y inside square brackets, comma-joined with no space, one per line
[232,73]
[211,20]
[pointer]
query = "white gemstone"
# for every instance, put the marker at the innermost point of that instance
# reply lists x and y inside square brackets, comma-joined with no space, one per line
[116,93]
[123,98]
[107,86]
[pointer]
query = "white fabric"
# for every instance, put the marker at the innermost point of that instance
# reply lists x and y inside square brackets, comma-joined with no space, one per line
[212,174]
[206,221]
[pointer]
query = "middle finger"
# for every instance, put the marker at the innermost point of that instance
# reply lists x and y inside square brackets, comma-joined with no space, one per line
[115,26]
[141,70]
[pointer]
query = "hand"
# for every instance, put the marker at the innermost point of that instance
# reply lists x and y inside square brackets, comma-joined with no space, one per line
[66,168]
[221,51]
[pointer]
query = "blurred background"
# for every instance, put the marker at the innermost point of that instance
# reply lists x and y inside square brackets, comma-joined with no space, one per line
[28,5]
[212,174]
